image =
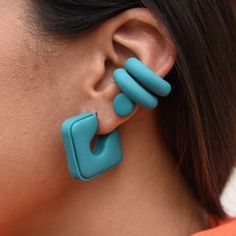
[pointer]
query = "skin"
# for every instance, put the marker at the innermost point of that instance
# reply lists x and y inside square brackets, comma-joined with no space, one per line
[44,81]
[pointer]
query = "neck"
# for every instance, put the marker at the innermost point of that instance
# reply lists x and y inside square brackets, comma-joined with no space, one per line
[144,195]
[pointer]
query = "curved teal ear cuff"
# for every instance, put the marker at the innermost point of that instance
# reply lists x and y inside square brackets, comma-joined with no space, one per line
[139,85]
[133,90]
[85,164]
[147,77]
[132,81]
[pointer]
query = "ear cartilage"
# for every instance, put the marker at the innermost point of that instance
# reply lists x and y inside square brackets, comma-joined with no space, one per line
[145,76]
[133,90]
[123,106]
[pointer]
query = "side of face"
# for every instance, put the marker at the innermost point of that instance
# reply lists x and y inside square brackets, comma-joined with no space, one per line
[38,90]
[45,81]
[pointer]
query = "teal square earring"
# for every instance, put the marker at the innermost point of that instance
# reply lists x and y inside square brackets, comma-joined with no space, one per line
[84,164]
[78,131]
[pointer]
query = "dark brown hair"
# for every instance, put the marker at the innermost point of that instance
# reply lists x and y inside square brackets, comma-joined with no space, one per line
[198,118]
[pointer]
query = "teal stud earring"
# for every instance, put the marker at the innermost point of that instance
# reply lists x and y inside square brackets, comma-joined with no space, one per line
[84,164]
[123,106]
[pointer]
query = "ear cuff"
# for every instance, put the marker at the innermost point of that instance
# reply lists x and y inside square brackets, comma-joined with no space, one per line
[78,131]
[132,81]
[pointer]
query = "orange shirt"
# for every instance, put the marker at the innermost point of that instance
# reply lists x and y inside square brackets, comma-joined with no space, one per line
[225,227]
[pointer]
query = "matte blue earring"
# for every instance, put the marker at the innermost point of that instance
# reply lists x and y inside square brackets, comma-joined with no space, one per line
[123,106]
[133,92]
[78,131]
[84,164]
[147,77]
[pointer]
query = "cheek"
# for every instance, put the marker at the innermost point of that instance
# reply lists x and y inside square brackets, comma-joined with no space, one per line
[35,98]
[33,168]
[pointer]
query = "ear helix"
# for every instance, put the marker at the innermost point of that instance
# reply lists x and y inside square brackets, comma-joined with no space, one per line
[130,79]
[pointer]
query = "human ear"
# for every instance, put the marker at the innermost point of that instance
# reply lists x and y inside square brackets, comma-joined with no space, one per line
[132,33]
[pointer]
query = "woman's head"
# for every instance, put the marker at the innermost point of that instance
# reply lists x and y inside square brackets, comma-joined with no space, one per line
[57,58]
